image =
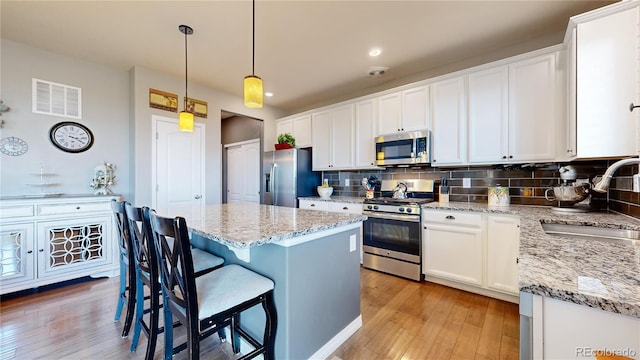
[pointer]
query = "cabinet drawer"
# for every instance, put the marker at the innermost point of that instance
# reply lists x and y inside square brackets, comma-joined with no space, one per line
[53,209]
[349,208]
[13,211]
[314,205]
[452,218]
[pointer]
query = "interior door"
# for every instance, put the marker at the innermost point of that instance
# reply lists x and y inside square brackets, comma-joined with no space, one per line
[179,160]
[243,172]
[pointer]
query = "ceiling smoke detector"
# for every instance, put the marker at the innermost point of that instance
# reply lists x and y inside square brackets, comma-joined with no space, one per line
[377,70]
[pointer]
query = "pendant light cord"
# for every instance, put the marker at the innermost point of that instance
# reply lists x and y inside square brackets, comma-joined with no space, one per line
[186,77]
[253,41]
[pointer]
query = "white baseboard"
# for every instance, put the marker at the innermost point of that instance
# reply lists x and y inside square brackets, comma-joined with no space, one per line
[327,349]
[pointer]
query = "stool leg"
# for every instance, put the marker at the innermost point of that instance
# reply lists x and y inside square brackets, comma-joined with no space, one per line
[139,314]
[168,329]
[235,335]
[131,298]
[154,317]
[270,326]
[123,290]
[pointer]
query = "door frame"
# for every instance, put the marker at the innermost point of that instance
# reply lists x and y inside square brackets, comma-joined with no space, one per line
[154,156]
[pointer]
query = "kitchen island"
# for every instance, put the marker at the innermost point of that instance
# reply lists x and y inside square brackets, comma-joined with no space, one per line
[312,257]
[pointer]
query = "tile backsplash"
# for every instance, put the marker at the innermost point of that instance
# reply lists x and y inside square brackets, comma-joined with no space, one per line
[527,183]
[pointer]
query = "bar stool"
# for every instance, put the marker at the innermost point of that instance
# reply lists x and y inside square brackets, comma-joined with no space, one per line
[127,293]
[147,274]
[212,301]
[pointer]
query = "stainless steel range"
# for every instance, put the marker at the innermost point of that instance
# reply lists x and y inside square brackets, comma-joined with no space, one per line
[392,235]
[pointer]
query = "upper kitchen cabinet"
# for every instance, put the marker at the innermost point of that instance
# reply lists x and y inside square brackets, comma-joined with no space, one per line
[448,125]
[533,112]
[365,133]
[489,115]
[406,110]
[603,81]
[298,126]
[333,138]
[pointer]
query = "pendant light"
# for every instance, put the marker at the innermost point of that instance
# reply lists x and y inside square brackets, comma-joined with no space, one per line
[253,84]
[185,122]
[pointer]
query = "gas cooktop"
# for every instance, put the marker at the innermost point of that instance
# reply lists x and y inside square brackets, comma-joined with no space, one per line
[393,201]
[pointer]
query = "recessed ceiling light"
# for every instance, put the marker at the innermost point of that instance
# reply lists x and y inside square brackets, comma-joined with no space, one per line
[268,94]
[375,52]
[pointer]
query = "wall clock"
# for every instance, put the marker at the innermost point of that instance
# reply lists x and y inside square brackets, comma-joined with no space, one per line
[13,146]
[71,137]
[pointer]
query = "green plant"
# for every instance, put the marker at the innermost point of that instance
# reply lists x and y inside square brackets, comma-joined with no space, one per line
[287,138]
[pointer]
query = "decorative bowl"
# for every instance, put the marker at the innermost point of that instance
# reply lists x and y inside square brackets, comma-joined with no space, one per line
[325,192]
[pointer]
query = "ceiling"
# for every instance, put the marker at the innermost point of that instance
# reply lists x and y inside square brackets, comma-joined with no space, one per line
[309,53]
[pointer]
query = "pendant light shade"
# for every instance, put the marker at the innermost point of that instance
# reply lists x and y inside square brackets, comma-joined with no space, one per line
[253,91]
[253,84]
[185,122]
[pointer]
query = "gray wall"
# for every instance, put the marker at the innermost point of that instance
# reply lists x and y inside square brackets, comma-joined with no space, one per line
[105,105]
[116,109]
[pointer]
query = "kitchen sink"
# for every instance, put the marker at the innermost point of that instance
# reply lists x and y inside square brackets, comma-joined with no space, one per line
[593,233]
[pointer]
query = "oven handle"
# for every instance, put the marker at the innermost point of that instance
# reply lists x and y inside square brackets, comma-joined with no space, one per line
[410,218]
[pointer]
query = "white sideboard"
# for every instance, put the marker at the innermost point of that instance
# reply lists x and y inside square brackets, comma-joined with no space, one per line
[45,240]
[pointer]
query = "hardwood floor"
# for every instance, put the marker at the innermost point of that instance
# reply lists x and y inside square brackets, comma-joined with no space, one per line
[402,319]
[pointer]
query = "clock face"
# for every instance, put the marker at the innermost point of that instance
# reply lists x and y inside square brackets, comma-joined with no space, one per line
[13,146]
[71,137]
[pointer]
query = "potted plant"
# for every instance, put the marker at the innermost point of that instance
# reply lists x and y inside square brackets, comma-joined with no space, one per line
[285,141]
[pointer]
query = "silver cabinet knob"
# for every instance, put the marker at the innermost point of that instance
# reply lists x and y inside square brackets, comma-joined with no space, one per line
[197,197]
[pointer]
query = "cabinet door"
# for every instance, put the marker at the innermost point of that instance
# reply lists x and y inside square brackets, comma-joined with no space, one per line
[74,245]
[284,127]
[342,137]
[16,254]
[453,253]
[488,115]
[533,118]
[415,109]
[448,122]
[503,244]
[321,139]
[365,133]
[302,130]
[389,113]
[607,80]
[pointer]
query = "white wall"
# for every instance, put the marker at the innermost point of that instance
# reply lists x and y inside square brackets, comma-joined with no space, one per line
[105,106]
[116,109]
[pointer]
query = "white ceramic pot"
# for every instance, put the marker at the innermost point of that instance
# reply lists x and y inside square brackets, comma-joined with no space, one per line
[499,196]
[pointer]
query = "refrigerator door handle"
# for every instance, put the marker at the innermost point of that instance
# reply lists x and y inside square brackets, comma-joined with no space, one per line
[274,188]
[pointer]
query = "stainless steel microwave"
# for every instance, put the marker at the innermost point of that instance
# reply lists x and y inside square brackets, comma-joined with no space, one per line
[407,148]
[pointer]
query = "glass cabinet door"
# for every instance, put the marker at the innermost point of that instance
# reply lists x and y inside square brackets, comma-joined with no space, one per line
[16,253]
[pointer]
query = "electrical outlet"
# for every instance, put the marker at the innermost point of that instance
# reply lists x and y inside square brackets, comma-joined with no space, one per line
[466,183]
[636,182]
[346,182]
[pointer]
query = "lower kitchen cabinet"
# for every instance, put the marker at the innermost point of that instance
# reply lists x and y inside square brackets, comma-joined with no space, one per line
[320,205]
[49,240]
[453,246]
[471,251]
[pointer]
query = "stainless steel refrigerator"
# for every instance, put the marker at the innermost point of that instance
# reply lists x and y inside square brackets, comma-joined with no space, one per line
[287,175]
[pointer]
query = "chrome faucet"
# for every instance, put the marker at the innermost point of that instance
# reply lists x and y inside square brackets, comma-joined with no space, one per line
[602,184]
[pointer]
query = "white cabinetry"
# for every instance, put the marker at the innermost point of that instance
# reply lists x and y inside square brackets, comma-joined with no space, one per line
[605,42]
[533,116]
[333,138]
[365,133]
[448,122]
[320,205]
[44,241]
[471,251]
[406,110]
[503,245]
[298,126]
[453,246]
[564,330]
[489,116]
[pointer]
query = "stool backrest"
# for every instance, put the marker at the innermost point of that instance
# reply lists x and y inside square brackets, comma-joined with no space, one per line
[142,240]
[120,218]
[171,239]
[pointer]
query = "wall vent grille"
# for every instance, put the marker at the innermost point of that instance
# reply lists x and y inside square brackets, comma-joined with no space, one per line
[56,99]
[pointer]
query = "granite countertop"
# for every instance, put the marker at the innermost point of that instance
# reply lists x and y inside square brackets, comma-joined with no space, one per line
[595,273]
[346,199]
[243,225]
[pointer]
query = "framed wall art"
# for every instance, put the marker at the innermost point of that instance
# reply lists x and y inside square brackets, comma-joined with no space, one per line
[163,100]
[198,108]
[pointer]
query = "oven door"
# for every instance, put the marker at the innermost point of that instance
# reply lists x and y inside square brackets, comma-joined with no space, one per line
[392,235]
